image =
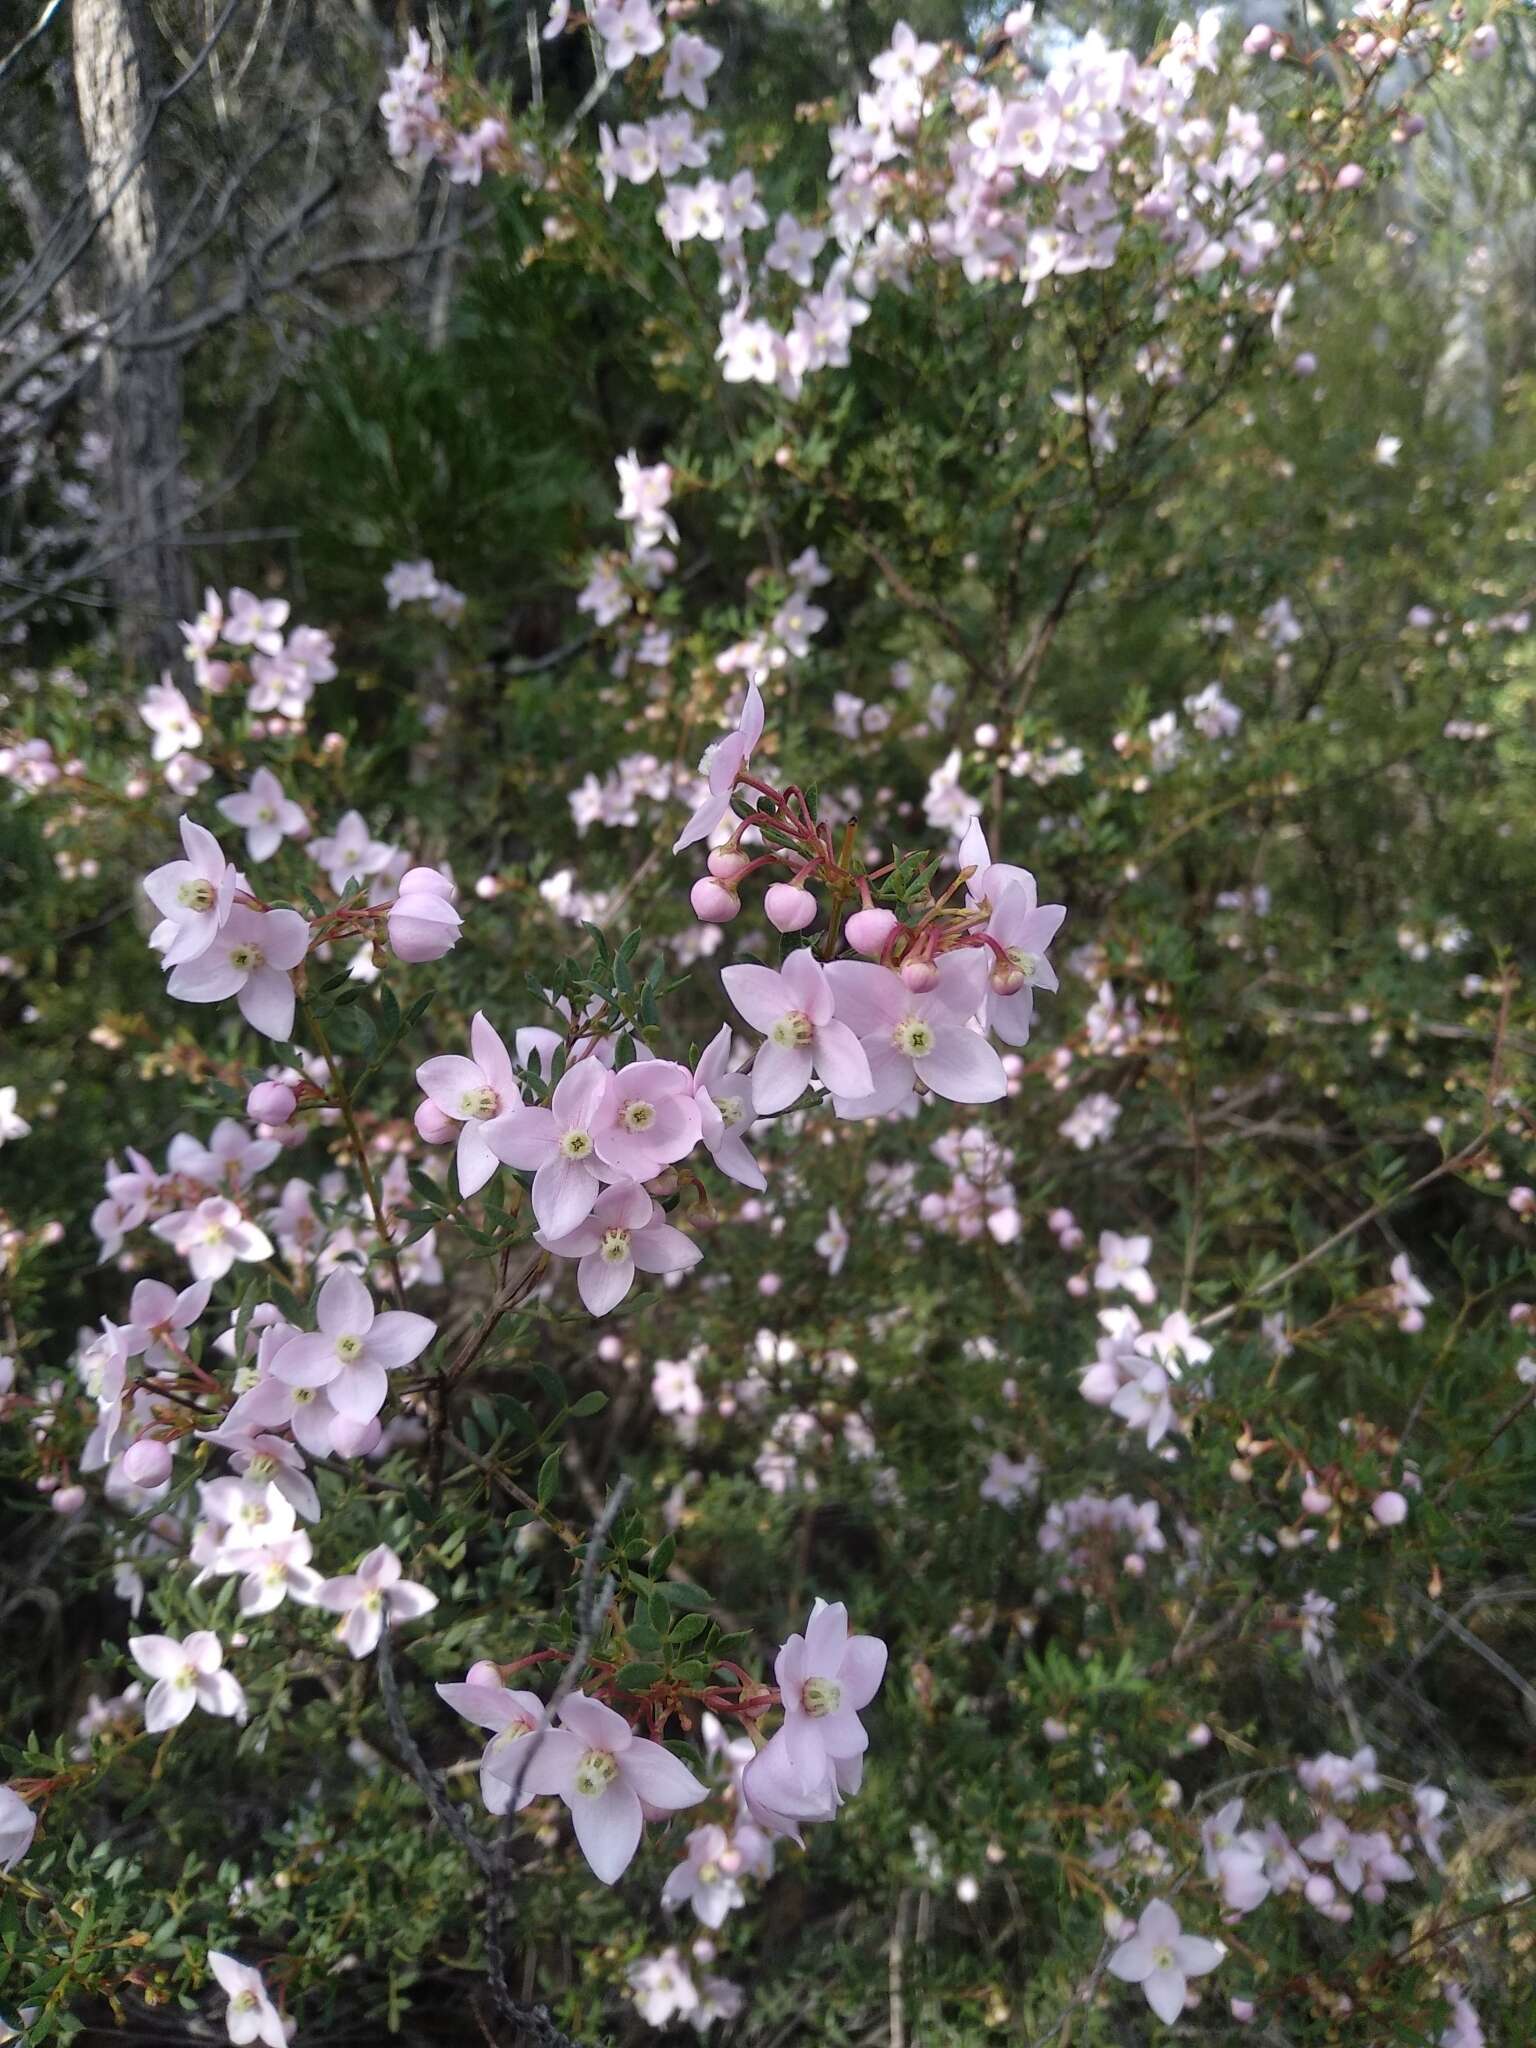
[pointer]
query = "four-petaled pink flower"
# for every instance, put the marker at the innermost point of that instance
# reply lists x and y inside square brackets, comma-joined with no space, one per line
[726,1109]
[194,897]
[816,1759]
[368,1597]
[187,1675]
[251,2015]
[625,1231]
[609,1777]
[265,814]
[721,765]
[909,1038]
[647,1118]
[350,854]
[354,1347]
[1161,1958]
[472,1092]
[251,958]
[557,1146]
[794,1006]
[212,1236]
[511,1715]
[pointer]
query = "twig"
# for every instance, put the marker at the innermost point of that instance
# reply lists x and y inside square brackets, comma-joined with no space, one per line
[431,1785]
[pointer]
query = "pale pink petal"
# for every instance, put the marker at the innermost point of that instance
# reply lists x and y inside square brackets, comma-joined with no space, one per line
[398,1336]
[344,1307]
[664,1783]
[608,1829]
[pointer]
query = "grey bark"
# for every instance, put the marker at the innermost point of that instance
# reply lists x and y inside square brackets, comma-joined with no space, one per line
[141,394]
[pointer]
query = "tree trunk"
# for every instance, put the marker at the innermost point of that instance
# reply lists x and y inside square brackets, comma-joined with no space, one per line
[141,388]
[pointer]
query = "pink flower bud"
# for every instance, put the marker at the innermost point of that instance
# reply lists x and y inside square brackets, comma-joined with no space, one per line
[432,1126]
[1258,39]
[868,930]
[662,1184]
[1315,1501]
[1318,1890]
[1389,1508]
[1005,979]
[69,1500]
[1350,178]
[1305,365]
[920,975]
[713,902]
[271,1102]
[423,924]
[148,1462]
[1242,2009]
[789,908]
[727,862]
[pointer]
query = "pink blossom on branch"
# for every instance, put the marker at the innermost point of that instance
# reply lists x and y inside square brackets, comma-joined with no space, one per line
[794,1006]
[354,1347]
[610,1779]
[371,1596]
[624,1233]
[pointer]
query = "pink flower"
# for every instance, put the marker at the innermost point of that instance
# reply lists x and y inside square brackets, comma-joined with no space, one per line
[370,1595]
[708,1878]
[483,1699]
[349,854]
[158,1316]
[212,1236]
[265,814]
[610,1778]
[473,1092]
[781,1798]
[721,765]
[825,1678]
[251,2015]
[256,622]
[794,1006]
[909,1038]
[624,1232]
[194,897]
[1123,1263]
[187,1675]
[251,958]
[726,1108]
[354,1347]
[647,1119]
[557,1146]
[1161,1958]
[423,924]
[1023,929]
[18,1824]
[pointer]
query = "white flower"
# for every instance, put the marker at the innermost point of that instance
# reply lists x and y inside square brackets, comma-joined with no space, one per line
[1161,1958]
[251,2015]
[187,1675]
[11,1125]
[18,1824]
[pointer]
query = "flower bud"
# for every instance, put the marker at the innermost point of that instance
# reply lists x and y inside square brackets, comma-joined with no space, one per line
[789,908]
[868,930]
[271,1102]
[1305,365]
[423,924]
[69,1500]
[1350,178]
[433,1127]
[1005,979]
[148,1462]
[727,862]
[1315,1501]
[1389,1508]
[713,901]
[662,1185]
[920,975]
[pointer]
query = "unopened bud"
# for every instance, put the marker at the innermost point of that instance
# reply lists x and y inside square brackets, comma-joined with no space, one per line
[433,1126]
[789,908]
[920,975]
[148,1462]
[727,862]
[713,902]
[868,930]
[271,1102]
